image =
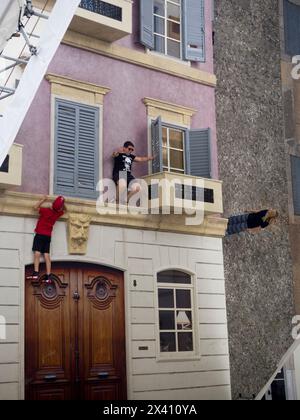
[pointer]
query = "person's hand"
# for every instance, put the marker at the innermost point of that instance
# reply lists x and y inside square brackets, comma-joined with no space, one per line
[151,157]
[45,198]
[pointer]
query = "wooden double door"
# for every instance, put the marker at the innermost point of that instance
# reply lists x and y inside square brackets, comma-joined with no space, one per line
[75,335]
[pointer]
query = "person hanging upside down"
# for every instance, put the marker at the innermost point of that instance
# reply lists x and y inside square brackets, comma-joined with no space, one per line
[43,230]
[122,176]
[252,222]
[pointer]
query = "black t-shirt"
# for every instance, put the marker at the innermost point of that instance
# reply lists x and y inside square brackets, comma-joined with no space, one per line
[123,162]
[255,220]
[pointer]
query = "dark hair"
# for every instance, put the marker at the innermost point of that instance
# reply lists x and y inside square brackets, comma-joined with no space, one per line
[128,144]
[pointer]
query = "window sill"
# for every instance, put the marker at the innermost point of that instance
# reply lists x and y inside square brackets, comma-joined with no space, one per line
[168,57]
[184,358]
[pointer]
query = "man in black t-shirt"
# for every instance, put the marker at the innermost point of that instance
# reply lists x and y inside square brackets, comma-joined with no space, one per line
[122,176]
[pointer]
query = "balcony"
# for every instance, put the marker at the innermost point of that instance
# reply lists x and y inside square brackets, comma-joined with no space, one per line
[105,20]
[178,193]
[11,169]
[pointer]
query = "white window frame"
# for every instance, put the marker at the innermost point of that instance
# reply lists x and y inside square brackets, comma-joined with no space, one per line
[169,168]
[165,36]
[178,355]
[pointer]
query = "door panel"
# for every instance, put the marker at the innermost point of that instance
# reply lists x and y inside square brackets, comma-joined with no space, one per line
[75,335]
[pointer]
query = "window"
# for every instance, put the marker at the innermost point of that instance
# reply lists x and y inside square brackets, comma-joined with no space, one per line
[181,150]
[167,27]
[76,167]
[295,164]
[103,8]
[176,319]
[5,165]
[291,11]
[173,150]
[174,27]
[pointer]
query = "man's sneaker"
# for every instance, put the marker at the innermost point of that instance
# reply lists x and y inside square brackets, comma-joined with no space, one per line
[33,276]
[48,279]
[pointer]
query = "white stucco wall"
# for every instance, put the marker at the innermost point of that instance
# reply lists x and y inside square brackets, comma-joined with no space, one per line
[140,254]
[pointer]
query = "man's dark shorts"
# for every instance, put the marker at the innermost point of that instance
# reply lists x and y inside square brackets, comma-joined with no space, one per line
[123,175]
[41,243]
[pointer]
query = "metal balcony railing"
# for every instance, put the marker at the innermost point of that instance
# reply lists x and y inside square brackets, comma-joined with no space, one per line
[103,8]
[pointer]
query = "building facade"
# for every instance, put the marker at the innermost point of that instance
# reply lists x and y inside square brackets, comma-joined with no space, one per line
[258,157]
[137,309]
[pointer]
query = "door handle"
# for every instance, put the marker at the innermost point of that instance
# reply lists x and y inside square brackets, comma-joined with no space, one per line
[50,378]
[103,375]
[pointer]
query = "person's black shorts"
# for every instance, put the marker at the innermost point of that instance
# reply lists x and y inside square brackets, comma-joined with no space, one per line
[123,175]
[41,243]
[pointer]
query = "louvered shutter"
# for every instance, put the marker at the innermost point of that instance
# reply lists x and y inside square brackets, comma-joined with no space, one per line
[147,23]
[198,156]
[295,163]
[77,151]
[88,156]
[292,27]
[157,163]
[65,148]
[193,17]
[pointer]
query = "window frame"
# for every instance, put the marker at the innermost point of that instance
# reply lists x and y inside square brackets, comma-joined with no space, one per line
[165,36]
[177,355]
[169,148]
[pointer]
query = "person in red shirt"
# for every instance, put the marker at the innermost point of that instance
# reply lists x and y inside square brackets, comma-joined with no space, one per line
[43,230]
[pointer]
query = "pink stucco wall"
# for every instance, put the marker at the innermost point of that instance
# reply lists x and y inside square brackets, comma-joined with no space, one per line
[124,115]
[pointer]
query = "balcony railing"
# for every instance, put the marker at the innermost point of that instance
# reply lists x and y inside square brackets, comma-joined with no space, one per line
[105,20]
[103,8]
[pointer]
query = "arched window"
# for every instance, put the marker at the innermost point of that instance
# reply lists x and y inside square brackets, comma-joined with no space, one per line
[175,307]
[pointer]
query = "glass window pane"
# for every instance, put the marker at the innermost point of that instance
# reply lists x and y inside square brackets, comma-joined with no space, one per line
[164,136]
[176,139]
[159,44]
[174,30]
[165,298]
[173,12]
[159,25]
[173,48]
[183,299]
[166,320]
[174,276]
[176,159]
[159,7]
[167,342]
[165,157]
[184,320]
[185,342]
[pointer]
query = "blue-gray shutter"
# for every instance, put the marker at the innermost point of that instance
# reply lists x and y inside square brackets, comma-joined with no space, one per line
[156,129]
[147,23]
[193,18]
[198,156]
[295,163]
[65,148]
[291,27]
[76,168]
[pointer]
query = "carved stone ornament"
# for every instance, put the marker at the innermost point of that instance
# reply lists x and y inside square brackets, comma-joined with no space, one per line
[78,233]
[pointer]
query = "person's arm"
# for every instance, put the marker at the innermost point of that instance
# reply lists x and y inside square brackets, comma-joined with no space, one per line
[65,208]
[117,152]
[40,203]
[143,159]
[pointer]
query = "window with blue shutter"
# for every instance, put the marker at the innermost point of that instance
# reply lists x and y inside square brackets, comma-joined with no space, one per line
[180,150]
[291,11]
[194,30]
[295,164]
[147,23]
[76,166]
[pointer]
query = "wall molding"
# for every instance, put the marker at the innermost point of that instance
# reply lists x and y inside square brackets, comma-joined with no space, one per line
[152,62]
[21,205]
[169,112]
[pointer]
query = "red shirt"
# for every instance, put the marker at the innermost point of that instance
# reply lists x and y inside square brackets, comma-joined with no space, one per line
[47,219]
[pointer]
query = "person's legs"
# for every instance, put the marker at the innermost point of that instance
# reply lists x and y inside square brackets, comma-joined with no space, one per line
[122,191]
[134,189]
[48,264]
[237,224]
[37,257]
